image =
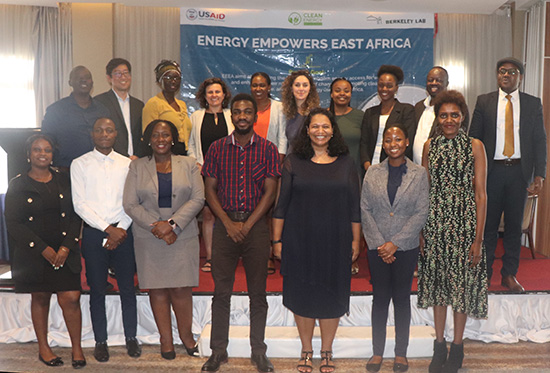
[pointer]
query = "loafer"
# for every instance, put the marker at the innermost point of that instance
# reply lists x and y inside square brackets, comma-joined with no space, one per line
[214,361]
[101,352]
[133,347]
[262,363]
[511,283]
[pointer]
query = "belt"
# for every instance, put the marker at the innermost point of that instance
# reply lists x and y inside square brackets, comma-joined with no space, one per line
[86,225]
[508,162]
[238,216]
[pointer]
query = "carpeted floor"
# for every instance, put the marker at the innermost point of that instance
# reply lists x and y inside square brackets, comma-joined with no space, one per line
[480,357]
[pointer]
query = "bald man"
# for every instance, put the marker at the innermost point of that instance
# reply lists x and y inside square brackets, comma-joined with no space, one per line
[69,121]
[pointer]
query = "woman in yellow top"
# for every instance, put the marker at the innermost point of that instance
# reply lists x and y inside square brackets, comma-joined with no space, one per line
[165,105]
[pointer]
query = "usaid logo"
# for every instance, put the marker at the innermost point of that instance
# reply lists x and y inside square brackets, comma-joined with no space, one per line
[193,14]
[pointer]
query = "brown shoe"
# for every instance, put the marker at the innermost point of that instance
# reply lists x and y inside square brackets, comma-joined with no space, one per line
[511,283]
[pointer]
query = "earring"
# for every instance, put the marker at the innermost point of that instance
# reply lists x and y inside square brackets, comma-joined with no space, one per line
[149,144]
[28,160]
[173,143]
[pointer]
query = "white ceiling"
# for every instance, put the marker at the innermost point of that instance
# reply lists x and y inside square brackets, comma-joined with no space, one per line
[412,6]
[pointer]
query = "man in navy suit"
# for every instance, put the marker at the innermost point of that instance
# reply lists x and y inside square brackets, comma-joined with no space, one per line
[125,110]
[511,126]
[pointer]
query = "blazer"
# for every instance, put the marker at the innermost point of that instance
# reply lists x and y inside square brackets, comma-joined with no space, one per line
[276,132]
[401,113]
[110,101]
[140,199]
[532,134]
[23,217]
[158,108]
[401,222]
[195,142]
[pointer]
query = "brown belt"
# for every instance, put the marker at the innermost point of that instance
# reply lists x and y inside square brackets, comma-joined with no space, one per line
[238,216]
[508,162]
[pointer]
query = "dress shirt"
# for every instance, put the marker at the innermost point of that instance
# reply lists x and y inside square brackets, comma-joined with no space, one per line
[241,171]
[125,109]
[97,186]
[423,130]
[379,139]
[70,126]
[499,145]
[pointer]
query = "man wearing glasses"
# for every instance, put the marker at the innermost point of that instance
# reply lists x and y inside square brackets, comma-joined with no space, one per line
[511,126]
[125,110]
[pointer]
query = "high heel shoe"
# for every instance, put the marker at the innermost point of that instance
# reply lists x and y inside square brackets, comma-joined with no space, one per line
[78,364]
[169,355]
[439,358]
[193,351]
[454,362]
[55,362]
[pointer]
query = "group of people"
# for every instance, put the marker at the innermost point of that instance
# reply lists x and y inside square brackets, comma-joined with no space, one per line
[286,179]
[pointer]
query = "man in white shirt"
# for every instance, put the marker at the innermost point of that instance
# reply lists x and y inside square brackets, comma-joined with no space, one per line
[436,82]
[510,124]
[125,110]
[97,179]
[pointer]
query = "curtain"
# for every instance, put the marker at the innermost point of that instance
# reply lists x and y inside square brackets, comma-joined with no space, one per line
[534,49]
[52,39]
[469,46]
[145,36]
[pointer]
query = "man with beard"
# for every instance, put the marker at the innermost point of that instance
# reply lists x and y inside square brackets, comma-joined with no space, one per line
[436,82]
[241,172]
[70,120]
[511,126]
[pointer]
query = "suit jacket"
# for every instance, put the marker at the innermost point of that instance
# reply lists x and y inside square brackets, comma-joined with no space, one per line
[140,199]
[110,101]
[195,142]
[24,217]
[401,113]
[401,222]
[532,134]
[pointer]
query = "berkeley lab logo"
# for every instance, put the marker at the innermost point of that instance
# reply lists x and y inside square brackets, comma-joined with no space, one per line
[306,19]
[193,14]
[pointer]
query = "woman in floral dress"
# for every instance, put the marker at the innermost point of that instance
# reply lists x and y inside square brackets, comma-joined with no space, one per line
[452,268]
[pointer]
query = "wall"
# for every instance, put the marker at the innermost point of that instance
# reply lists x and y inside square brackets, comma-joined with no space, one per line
[93,40]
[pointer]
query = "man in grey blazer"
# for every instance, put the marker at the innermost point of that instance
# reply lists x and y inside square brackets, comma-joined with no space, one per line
[125,110]
[516,161]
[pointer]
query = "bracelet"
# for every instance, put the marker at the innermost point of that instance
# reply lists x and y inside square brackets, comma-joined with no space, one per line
[273,242]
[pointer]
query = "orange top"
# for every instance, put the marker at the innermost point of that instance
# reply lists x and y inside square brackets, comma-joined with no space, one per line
[262,124]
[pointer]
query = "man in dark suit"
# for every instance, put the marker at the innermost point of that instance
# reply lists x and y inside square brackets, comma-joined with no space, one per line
[125,110]
[511,126]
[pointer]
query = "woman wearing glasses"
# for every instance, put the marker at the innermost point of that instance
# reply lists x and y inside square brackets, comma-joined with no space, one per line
[165,105]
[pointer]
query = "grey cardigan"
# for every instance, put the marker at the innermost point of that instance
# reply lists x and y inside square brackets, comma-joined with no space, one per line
[401,222]
[140,198]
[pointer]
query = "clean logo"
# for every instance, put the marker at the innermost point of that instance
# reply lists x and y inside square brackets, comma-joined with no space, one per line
[295,18]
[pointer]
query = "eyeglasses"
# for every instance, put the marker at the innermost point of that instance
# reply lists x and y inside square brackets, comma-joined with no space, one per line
[512,72]
[171,78]
[120,74]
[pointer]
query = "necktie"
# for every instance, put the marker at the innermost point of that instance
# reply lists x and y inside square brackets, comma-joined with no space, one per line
[508,128]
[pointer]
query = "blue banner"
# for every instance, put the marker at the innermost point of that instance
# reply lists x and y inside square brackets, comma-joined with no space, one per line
[213,44]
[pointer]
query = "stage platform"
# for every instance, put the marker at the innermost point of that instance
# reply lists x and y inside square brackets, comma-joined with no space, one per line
[512,318]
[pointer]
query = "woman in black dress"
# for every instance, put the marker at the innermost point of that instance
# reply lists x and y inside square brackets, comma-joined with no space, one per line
[316,230]
[43,232]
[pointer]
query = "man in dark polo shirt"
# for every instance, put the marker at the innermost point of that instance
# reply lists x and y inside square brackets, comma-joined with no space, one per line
[241,172]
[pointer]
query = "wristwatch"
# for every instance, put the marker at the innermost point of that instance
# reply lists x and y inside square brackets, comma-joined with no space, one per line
[172,223]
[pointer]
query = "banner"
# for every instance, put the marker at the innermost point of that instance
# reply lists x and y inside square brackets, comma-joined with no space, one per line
[234,44]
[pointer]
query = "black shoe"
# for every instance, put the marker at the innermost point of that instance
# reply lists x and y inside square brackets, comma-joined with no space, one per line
[439,358]
[170,355]
[262,363]
[372,367]
[193,351]
[101,352]
[214,361]
[77,364]
[399,367]
[55,362]
[454,362]
[133,347]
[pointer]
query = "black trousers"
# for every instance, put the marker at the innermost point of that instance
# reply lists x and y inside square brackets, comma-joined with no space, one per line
[98,259]
[506,192]
[392,282]
[254,251]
